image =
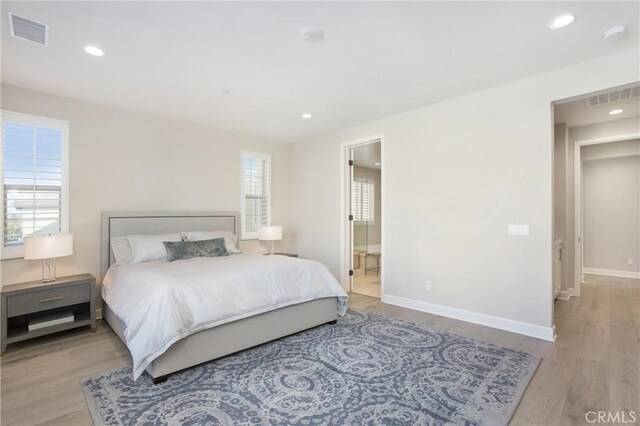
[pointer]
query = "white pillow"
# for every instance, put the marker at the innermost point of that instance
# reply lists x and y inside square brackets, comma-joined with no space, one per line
[149,247]
[230,239]
[121,250]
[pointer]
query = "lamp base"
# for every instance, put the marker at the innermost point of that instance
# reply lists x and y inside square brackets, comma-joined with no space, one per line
[48,270]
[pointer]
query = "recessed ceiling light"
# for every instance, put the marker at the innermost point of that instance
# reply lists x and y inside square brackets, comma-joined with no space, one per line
[615,111]
[377,164]
[311,34]
[94,51]
[562,21]
[307,115]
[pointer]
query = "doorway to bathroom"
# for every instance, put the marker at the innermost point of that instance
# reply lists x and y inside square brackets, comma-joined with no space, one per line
[365,218]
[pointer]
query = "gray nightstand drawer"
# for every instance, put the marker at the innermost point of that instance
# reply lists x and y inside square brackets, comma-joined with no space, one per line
[48,299]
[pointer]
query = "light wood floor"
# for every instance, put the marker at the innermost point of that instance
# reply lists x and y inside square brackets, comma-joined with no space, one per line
[593,365]
[366,285]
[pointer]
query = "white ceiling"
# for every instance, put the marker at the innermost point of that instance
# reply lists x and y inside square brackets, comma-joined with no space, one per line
[367,156]
[579,113]
[176,59]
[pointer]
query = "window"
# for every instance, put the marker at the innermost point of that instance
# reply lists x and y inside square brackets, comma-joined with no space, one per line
[363,194]
[256,193]
[34,171]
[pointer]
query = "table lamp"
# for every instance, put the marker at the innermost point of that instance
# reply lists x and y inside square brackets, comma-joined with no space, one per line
[270,233]
[48,247]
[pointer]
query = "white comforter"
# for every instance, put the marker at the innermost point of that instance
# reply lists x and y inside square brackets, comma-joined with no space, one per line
[161,302]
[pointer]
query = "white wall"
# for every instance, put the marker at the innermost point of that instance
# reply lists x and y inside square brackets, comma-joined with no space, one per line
[610,150]
[456,173]
[121,160]
[611,206]
[601,130]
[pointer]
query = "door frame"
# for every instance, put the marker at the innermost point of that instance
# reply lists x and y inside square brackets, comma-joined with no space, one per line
[578,260]
[346,245]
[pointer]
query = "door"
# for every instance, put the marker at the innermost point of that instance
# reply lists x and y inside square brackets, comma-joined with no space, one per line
[351,217]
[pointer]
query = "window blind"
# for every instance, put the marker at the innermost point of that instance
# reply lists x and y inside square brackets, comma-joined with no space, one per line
[256,193]
[363,194]
[33,174]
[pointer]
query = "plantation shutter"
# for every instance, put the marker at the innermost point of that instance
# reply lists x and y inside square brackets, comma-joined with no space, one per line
[363,200]
[256,193]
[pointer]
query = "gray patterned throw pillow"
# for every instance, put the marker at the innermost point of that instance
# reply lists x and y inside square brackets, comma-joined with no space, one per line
[189,249]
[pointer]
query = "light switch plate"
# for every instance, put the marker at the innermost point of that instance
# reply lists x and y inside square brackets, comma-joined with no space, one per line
[522,230]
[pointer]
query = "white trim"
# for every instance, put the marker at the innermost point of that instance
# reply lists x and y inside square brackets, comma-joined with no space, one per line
[345,244]
[566,294]
[611,156]
[607,139]
[577,205]
[37,120]
[261,156]
[611,272]
[577,219]
[545,333]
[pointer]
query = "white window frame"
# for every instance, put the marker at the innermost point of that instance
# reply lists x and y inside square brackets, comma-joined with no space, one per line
[52,123]
[244,154]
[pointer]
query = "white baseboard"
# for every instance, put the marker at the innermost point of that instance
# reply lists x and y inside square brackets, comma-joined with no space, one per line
[611,272]
[567,294]
[545,333]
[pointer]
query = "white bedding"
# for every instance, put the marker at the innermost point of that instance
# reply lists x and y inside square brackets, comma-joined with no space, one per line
[161,302]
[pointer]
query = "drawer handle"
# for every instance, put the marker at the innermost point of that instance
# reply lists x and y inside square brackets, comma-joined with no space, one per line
[52,299]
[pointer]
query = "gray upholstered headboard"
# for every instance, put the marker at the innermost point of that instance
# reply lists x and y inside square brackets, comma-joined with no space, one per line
[118,224]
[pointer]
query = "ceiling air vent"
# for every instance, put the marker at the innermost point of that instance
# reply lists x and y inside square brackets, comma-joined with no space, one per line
[615,96]
[27,29]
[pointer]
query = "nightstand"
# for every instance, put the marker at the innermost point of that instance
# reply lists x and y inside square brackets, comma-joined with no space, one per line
[36,309]
[286,254]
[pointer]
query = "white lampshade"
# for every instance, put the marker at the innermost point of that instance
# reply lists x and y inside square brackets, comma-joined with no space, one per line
[48,246]
[270,233]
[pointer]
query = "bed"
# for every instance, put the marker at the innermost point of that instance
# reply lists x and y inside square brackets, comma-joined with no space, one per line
[155,308]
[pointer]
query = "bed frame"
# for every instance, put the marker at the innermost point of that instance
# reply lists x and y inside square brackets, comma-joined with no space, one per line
[225,339]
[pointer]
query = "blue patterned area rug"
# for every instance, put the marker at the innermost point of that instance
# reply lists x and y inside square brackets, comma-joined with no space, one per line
[367,369]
